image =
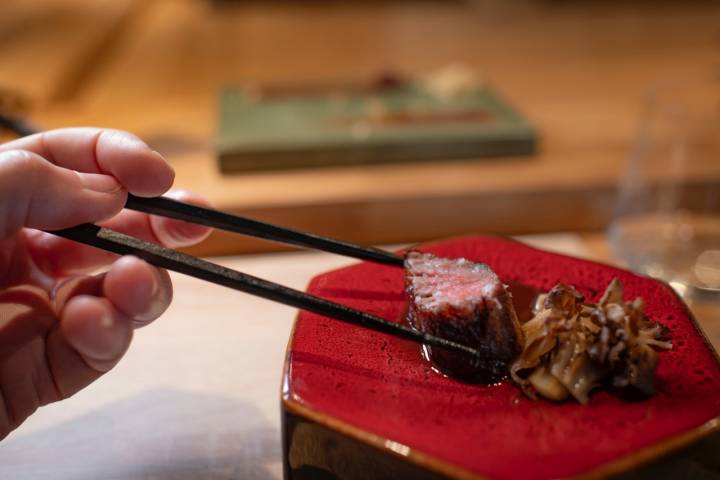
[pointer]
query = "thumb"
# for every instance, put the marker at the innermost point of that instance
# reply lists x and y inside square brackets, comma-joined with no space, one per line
[35,193]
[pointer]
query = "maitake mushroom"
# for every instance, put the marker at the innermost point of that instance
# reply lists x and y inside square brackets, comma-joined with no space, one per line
[572,346]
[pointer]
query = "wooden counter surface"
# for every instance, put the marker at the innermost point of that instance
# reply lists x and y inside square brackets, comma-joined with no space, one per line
[578,70]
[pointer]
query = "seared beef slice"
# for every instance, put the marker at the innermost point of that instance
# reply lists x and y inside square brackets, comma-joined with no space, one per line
[465,302]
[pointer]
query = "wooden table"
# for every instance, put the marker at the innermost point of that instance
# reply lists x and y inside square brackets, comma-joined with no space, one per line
[578,70]
[197,395]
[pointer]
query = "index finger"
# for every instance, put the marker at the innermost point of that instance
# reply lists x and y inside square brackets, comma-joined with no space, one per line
[139,169]
[58,256]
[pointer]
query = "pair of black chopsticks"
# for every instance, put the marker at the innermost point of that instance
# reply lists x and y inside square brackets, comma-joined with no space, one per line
[122,244]
[170,259]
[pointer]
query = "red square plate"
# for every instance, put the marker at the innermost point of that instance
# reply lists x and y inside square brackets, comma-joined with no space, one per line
[379,391]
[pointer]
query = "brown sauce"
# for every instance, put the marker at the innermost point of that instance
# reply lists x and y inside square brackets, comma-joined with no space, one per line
[523,298]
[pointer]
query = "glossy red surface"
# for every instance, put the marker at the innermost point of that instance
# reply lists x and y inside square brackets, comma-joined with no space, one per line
[383,386]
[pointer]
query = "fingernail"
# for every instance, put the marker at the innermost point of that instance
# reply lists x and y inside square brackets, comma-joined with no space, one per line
[99,183]
[189,231]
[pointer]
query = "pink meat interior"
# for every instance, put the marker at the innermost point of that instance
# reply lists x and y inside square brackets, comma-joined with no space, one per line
[441,282]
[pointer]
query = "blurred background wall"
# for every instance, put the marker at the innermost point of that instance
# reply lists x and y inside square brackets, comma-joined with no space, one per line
[577,70]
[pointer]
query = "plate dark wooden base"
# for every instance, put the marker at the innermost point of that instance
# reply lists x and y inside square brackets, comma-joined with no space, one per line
[312,451]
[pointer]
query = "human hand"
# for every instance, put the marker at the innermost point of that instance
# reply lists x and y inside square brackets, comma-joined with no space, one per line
[61,328]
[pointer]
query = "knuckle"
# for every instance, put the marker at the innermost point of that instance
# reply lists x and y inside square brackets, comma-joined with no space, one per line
[21,173]
[119,137]
[20,165]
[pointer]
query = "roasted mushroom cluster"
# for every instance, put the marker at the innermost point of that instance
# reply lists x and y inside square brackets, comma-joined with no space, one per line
[572,347]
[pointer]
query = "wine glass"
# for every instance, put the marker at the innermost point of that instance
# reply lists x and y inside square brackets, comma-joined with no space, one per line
[667,215]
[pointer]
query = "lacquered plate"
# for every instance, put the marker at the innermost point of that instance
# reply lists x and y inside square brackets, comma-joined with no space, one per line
[381,395]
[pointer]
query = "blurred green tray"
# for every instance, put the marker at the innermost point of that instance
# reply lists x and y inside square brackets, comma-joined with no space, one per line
[400,124]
